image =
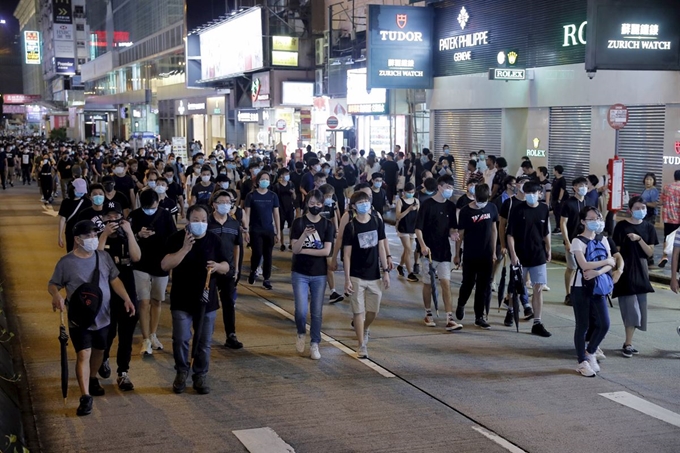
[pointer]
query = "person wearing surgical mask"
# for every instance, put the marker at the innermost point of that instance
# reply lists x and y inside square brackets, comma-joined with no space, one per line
[529,246]
[285,191]
[380,201]
[570,225]
[109,184]
[223,224]
[201,192]
[152,228]
[635,239]
[124,182]
[70,209]
[196,257]
[164,201]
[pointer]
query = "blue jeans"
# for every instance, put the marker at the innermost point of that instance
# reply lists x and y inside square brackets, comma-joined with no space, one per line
[587,305]
[302,286]
[182,322]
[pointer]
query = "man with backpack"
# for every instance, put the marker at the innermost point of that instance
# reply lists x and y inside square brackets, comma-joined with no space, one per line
[89,309]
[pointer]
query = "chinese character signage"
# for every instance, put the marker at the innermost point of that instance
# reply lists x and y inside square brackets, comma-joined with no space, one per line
[633,35]
[399,47]
[32,47]
[62,12]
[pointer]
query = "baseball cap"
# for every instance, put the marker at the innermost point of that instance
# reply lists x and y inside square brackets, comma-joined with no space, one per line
[84,227]
[80,185]
[111,206]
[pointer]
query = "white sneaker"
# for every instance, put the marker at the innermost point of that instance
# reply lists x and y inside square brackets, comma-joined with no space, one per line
[314,351]
[429,321]
[155,344]
[585,369]
[258,271]
[494,287]
[366,334]
[592,360]
[546,288]
[362,353]
[300,343]
[599,355]
[146,347]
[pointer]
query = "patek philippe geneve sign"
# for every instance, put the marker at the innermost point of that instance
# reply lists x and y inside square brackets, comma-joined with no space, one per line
[633,35]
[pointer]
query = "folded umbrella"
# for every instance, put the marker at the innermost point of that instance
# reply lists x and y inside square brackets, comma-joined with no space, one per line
[63,339]
[198,331]
[501,285]
[433,285]
[517,290]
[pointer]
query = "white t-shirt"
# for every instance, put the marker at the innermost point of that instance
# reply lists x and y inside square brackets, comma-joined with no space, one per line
[578,245]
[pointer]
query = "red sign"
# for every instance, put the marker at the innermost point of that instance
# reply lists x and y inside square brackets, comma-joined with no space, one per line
[401,20]
[21,98]
[281,125]
[617,117]
[98,38]
[677,147]
[332,122]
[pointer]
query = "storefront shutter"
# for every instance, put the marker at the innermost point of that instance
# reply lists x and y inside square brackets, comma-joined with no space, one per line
[641,145]
[569,141]
[466,131]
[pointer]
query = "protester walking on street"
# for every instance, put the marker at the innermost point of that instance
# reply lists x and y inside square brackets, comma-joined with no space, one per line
[670,200]
[70,209]
[569,226]
[407,215]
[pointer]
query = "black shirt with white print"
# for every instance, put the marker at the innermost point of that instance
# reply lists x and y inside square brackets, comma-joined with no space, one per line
[364,239]
[478,225]
[312,266]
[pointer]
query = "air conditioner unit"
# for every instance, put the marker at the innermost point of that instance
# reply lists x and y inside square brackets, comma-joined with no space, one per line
[320,51]
[318,83]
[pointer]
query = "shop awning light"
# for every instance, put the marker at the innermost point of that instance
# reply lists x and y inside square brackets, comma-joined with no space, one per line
[350,61]
[336,63]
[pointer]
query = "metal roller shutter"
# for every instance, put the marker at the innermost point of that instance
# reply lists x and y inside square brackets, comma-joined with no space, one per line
[569,142]
[466,131]
[641,145]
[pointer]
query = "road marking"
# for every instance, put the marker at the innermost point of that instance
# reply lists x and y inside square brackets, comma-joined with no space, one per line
[498,439]
[645,407]
[262,440]
[372,365]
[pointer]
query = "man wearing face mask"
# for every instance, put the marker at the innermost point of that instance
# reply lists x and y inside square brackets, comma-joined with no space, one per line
[307,182]
[70,210]
[447,157]
[244,187]
[379,196]
[340,185]
[569,225]
[478,233]
[123,182]
[285,190]
[223,224]
[529,245]
[109,184]
[73,270]
[94,212]
[201,192]
[152,228]
[164,201]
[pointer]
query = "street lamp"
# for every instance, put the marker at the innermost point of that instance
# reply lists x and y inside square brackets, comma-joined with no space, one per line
[3,21]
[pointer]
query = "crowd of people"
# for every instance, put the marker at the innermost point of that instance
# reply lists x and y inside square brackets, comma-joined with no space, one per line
[131,220]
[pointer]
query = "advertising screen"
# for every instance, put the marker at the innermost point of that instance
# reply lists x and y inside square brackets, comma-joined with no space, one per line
[359,99]
[297,93]
[222,57]
[32,47]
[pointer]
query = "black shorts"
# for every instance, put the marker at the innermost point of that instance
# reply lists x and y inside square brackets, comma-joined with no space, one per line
[668,228]
[86,339]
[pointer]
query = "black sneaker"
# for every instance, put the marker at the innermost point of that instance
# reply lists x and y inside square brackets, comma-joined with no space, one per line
[528,313]
[460,312]
[124,382]
[567,300]
[282,248]
[85,407]
[509,319]
[95,388]
[201,384]
[267,284]
[335,298]
[180,383]
[416,268]
[232,342]
[400,269]
[412,277]
[105,369]
[627,351]
[481,323]
[539,329]
[251,278]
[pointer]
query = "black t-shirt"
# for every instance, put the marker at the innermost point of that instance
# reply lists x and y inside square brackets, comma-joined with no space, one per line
[10,159]
[262,210]
[3,158]
[70,209]
[124,184]
[558,185]
[364,239]
[120,198]
[478,225]
[407,224]
[498,179]
[349,173]
[436,220]
[529,227]
[463,201]
[571,209]
[245,187]
[285,194]
[325,232]
[152,247]
[169,205]
[340,185]
[174,191]
[509,207]
[188,278]
[202,193]
[229,233]
[635,277]
[379,200]
[94,216]
[447,157]
[64,168]
[390,170]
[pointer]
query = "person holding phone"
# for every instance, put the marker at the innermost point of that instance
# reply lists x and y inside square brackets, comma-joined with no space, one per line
[311,239]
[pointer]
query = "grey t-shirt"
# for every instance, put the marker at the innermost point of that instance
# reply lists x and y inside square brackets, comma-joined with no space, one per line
[72,271]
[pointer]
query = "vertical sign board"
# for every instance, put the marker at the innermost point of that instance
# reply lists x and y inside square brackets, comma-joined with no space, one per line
[616,188]
[633,35]
[179,147]
[62,12]
[32,47]
[399,44]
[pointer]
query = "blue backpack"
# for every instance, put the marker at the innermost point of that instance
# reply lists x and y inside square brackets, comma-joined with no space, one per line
[602,285]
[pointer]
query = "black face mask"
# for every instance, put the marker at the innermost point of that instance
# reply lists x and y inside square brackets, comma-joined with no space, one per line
[315,210]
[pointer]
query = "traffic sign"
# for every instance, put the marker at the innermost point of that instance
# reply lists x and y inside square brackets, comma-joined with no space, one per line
[617,117]
[332,122]
[281,126]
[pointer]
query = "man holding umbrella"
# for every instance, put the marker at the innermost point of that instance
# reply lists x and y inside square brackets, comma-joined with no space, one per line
[194,254]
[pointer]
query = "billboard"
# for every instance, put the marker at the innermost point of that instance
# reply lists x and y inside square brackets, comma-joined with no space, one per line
[220,61]
[359,100]
[32,47]
[62,13]
[65,65]
[633,35]
[63,32]
[399,46]
[297,93]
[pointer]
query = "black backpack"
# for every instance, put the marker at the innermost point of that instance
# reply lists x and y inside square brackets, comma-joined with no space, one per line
[86,300]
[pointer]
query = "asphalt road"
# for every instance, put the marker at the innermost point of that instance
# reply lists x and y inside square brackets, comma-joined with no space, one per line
[423,389]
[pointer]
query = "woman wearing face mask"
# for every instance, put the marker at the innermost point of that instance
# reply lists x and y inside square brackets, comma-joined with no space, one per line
[46,172]
[165,202]
[285,190]
[636,239]
[407,214]
[70,209]
[594,261]
[262,211]
[311,244]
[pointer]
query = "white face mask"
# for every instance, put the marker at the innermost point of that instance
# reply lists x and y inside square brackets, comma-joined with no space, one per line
[205,178]
[90,244]
[119,171]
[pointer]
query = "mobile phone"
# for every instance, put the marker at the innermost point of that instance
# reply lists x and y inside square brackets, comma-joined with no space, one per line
[311,226]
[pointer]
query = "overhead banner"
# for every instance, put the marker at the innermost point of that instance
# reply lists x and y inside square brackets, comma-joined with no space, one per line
[399,47]
[32,47]
[633,35]
[62,12]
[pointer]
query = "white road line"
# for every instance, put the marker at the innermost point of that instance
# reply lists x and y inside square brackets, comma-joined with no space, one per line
[375,367]
[262,440]
[498,439]
[645,407]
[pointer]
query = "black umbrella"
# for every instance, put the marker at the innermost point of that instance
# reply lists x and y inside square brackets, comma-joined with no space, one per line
[198,331]
[517,290]
[433,285]
[63,339]
[501,285]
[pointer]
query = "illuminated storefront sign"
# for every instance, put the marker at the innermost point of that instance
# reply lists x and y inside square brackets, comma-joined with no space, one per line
[460,43]
[399,47]
[65,65]
[32,47]
[247,116]
[359,100]
[507,74]
[297,93]
[575,35]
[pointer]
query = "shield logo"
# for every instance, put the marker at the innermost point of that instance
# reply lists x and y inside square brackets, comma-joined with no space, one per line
[401,20]
[677,147]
